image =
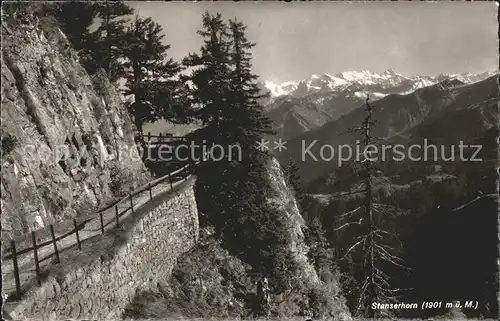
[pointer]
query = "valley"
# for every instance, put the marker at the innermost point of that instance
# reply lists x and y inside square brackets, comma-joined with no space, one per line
[440,212]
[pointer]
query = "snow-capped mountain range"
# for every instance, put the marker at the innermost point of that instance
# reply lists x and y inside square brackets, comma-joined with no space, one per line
[298,107]
[360,83]
[447,112]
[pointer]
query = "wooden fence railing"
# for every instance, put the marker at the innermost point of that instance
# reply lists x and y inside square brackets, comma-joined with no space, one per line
[13,253]
[160,138]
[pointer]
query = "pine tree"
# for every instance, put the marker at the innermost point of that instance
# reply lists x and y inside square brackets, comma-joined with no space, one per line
[290,170]
[373,247]
[320,253]
[101,48]
[106,44]
[233,194]
[224,87]
[74,19]
[134,52]
[149,74]
[211,77]
[245,119]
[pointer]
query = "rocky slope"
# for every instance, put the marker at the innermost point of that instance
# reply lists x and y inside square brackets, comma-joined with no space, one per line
[60,130]
[297,107]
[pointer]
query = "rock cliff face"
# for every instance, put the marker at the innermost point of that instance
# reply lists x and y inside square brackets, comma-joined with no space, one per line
[284,200]
[334,304]
[61,132]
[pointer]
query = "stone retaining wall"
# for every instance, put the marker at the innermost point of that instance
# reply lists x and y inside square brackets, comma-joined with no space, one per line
[144,251]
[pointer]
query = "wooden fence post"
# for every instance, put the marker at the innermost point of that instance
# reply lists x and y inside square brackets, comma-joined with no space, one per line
[117,215]
[194,223]
[159,138]
[16,268]
[35,255]
[170,181]
[102,223]
[150,191]
[131,203]
[56,252]
[149,137]
[77,235]
[188,168]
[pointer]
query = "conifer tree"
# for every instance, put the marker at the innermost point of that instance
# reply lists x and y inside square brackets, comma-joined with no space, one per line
[108,41]
[224,87]
[131,51]
[246,118]
[234,193]
[74,19]
[101,48]
[290,170]
[320,253]
[211,77]
[150,75]
[373,247]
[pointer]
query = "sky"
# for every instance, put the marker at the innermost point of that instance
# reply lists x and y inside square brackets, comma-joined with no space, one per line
[296,40]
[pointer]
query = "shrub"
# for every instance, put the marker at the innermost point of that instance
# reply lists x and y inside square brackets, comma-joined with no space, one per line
[8,143]
[124,180]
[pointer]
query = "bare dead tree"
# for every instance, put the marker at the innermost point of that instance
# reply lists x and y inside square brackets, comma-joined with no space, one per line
[374,246]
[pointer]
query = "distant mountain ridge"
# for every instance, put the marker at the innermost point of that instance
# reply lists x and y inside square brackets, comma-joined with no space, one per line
[446,113]
[378,85]
[298,107]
